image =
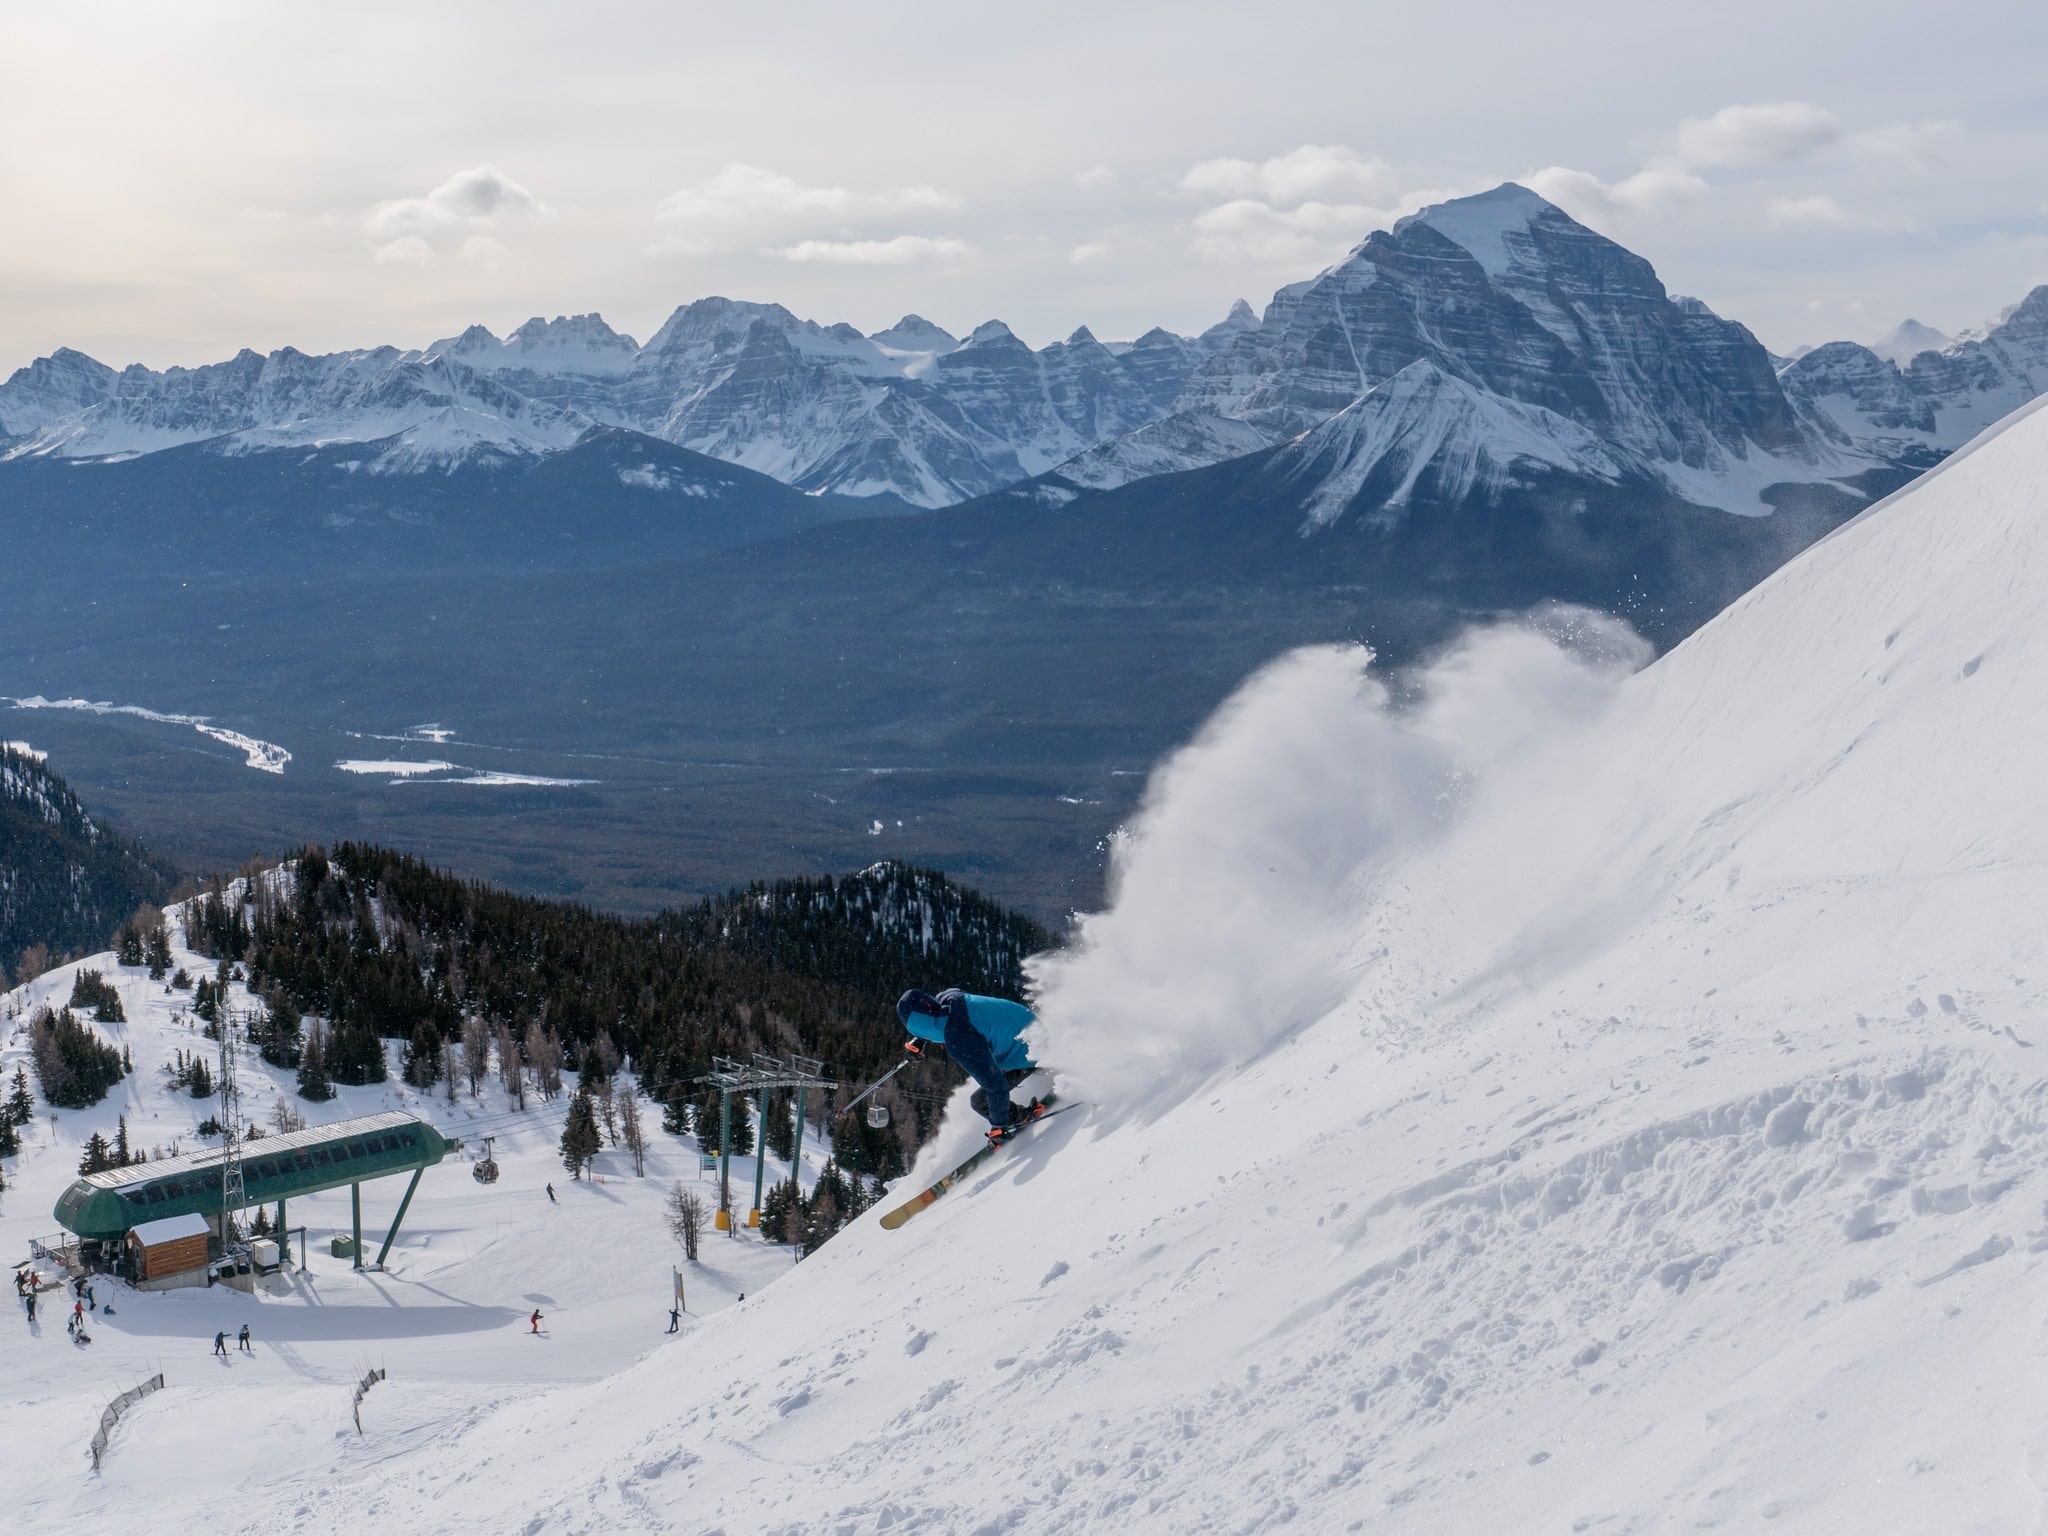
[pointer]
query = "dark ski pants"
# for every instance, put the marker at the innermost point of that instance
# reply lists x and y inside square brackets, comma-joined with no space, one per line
[971,1050]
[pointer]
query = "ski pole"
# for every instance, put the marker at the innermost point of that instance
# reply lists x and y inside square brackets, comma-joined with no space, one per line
[876,1084]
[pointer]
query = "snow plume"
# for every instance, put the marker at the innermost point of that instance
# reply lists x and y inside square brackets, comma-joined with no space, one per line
[1237,890]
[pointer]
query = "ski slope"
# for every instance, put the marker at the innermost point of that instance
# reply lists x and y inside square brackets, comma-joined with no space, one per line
[448,1318]
[1564,1098]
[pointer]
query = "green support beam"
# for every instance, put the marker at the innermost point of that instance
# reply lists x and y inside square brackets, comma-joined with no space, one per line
[760,1152]
[796,1164]
[392,1236]
[725,1158]
[355,1200]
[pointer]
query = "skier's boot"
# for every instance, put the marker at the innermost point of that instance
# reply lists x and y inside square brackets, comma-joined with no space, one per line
[1021,1115]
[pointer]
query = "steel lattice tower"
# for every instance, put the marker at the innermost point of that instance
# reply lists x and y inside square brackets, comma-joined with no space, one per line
[233,1194]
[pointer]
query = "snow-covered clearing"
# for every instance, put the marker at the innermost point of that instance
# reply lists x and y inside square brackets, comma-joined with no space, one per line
[1573,1102]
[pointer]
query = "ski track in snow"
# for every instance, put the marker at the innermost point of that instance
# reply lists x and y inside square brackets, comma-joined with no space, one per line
[265,756]
[1652,1136]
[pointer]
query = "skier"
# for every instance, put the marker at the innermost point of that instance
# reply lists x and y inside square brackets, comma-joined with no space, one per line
[220,1343]
[982,1035]
[551,1195]
[675,1319]
[31,1303]
[245,1345]
[535,1319]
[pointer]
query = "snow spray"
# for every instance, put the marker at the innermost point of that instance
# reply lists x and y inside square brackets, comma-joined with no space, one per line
[1237,890]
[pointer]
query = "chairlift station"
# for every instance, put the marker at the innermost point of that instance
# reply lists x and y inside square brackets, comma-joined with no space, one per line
[105,1207]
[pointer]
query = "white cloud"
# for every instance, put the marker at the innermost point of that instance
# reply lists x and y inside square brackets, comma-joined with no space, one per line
[1322,173]
[470,199]
[1821,212]
[1755,135]
[743,194]
[484,251]
[409,249]
[1088,255]
[1655,189]
[899,251]
[1097,178]
[1311,204]
[1915,146]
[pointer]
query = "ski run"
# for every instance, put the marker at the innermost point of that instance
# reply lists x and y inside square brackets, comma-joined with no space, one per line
[1555,1097]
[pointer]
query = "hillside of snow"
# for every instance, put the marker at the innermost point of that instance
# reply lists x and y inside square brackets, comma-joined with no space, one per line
[1546,1097]
[448,1317]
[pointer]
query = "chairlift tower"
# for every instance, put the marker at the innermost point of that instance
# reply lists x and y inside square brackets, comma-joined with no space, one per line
[234,1196]
[801,1073]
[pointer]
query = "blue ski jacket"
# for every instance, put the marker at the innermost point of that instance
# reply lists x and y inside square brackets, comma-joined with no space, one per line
[996,1019]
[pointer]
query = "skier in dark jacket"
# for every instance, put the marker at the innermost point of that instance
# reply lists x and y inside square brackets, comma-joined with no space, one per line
[983,1036]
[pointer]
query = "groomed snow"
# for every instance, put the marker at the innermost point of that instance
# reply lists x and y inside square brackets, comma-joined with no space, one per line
[1567,1101]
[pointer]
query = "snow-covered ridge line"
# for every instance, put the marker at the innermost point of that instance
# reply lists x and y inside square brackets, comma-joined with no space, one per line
[265,756]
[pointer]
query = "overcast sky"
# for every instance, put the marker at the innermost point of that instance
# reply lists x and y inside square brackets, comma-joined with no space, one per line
[181,180]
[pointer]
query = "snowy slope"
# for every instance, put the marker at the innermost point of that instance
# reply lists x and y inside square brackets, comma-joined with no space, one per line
[1571,1101]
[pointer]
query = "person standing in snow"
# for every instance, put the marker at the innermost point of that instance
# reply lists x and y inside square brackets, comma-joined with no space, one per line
[675,1319]
[983,1036]
[244,1343]
[220,1343]
[535,1319]
[551,1194]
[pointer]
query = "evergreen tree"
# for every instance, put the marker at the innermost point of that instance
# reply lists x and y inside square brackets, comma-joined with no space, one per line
[580,1139]
[10,1138]
[156,951]
[128,951]
[422,1067]
[75,1065]
[122,1156]
[315,1085]
[782,1126]
[278,1035]
[98,1156]
[201,1086]
[21,1105]
[675,1113]
[782,1213]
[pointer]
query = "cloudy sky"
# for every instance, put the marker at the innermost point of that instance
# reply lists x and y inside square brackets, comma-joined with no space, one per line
[181,180]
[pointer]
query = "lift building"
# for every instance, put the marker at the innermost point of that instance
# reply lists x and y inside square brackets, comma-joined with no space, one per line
[108,1207]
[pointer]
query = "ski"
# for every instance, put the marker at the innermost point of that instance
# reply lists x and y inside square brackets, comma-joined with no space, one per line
[918,1202]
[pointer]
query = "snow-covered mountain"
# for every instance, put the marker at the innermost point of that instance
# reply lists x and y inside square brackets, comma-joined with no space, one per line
[1506,295]
[1915,408]
[1502,293]
[912,411]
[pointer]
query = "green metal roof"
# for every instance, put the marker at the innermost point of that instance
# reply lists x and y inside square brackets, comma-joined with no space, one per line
[273,1168]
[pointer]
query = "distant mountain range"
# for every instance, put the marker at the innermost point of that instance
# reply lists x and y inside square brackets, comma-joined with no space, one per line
[765,584]
[1482,333]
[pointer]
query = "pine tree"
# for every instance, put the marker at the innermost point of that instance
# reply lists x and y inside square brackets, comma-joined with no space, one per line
[782,1127]
[10,1138]
[202,1080]
[122,1156]
[422,1066]
[129,950]
[580,1140]
[315,1085]
[98,1156]
[156,951]
[21,1105]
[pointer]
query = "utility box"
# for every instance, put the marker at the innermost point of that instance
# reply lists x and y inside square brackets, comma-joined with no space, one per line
[342,1246]
[263,1253]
